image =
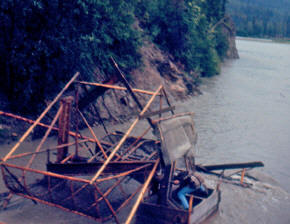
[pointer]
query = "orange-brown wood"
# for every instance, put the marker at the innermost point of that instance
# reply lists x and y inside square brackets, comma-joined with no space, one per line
[117,87]
[125,136]
[39,118]
[93,134]
[141,194]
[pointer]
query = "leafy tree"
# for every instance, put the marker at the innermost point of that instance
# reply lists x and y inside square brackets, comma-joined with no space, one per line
[182,28]
[261,18]
[42,43]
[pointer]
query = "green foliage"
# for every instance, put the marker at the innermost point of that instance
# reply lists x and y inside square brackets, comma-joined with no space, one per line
[181,27]
[42,43]
[261,18]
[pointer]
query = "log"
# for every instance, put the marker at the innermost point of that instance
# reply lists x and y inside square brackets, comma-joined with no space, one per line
[228,166]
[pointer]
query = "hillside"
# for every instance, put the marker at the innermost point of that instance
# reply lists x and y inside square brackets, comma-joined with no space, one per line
[155,42]
[261,18]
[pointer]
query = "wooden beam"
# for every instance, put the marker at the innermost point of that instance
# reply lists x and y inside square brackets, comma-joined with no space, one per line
[45,137]
[141,194]
[129,88]
[156,112]
[93,134]
[229,166]
[46,173]
[125,136]
[40,117]
[117,87]
[47,126]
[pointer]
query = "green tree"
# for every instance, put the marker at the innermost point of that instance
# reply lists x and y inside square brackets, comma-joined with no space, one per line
[182,29]
[42,43]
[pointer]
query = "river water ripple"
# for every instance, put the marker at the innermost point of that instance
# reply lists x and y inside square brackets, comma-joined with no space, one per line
[244,115]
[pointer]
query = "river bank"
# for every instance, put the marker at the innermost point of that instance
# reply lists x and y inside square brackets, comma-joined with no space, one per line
[276,40]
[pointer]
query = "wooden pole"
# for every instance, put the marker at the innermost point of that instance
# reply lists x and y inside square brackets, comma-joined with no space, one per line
[242,176]
[125,136]
[117,87]
[77,121]
[190,208]
[47,126]
[124,157]
[134,143]
[93,134]
[141,194]
[108,204]
[45,137]
[129,198]
[43,151]
[47,173]
[127,173]
[129,88]
[167,100]
[39,118]
[111,189]
[64,126]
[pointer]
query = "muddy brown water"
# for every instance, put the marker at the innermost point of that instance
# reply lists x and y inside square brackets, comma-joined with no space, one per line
[242,115]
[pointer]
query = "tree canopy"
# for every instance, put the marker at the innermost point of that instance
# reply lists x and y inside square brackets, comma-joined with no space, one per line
[261,18]
[42,43]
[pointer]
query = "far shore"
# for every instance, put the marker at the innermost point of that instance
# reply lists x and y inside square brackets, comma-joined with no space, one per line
[276,40]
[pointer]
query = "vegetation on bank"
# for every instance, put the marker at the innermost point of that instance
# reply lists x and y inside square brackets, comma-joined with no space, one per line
[261,18]
[42,43]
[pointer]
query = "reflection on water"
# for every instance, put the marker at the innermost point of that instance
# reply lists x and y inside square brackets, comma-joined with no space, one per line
[244,115]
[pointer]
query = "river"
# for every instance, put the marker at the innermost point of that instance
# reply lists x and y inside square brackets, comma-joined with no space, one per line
[244,115]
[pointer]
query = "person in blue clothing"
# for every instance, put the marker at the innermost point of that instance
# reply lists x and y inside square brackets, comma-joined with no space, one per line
[188,183]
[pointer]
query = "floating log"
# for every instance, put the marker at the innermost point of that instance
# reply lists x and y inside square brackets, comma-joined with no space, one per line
[228,166]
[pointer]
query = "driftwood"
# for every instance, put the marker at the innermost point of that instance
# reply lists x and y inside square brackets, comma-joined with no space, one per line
[205,168]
